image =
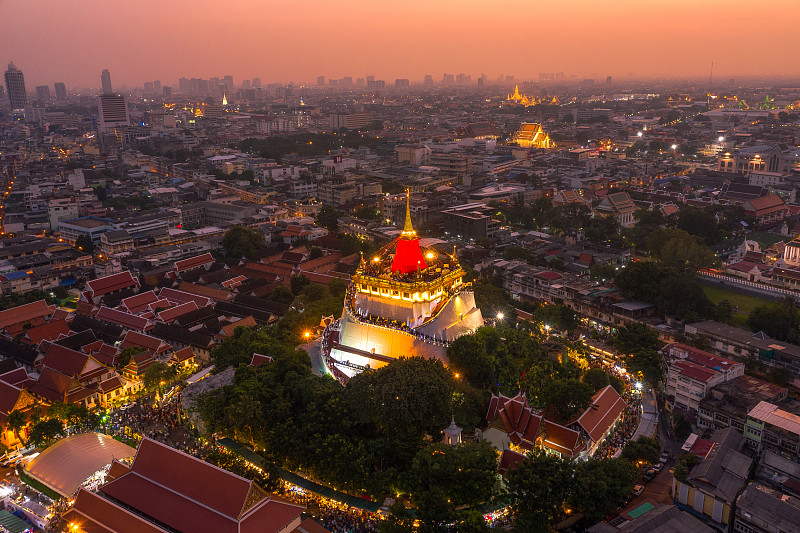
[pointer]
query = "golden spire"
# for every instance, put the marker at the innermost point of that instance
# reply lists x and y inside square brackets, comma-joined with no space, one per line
[408,229]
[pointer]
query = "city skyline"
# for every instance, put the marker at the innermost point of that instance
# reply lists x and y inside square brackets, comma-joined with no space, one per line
[624,40]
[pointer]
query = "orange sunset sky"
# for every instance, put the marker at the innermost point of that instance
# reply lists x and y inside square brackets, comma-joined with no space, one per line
[287,40]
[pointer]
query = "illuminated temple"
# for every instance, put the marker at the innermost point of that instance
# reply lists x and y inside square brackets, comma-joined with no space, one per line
[531,135]
[406,300]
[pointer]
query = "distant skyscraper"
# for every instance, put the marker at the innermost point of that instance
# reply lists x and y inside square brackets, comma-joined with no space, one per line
[15,85]
[428,81]
[228,81]
[256,83]
[148,87]
[480,81]
[401,83]
[359,82]
[61,91]
[157,86]
[43,93]
[320,81]
[113,111]
[105,79]
[246,85]
[167,91]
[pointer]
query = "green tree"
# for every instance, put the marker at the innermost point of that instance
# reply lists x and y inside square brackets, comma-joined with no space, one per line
[409,396]
[699,223]
[126,354]
[328,217]
[677,248]
[466,474]
[16,420]
[684,466]
[597,378]
[281,294]
[467,356]
[636,337]
[602,272]
[600,486]
[315,252]
[538,489]
[644,449]
[84,244]
[780,375]
[298,283]
[778,320]
[648,363]
[242,242]
[568,397]
[45,431]
[158,374]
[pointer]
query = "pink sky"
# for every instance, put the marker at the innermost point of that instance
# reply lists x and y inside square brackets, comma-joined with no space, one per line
[293,40]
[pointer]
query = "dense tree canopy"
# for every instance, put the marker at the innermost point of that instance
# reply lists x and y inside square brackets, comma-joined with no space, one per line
[242,242]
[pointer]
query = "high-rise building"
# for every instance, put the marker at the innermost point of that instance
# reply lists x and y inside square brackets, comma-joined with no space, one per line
[148,87]
[320,81]
[167,91]
[61,91]
[228,81]
[401,83]
[105,79]
[43,93]
[157,86]
[359,82]
[17,95]
[184,85]
[113,112]
[246,85]
[428,81]
[256,83]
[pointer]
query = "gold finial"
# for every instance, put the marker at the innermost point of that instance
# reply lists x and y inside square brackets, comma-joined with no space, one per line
[408,229]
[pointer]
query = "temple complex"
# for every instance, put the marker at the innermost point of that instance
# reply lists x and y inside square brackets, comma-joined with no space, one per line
[406,300]
[531,135]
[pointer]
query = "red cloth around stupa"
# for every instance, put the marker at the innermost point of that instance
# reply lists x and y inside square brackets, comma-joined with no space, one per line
[408,257]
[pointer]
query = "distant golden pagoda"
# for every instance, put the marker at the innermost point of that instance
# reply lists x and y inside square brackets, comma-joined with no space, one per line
[531,135]
[406,300]
[522,99]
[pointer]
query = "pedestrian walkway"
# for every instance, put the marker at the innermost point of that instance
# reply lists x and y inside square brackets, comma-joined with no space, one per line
[291,477]
[648,423]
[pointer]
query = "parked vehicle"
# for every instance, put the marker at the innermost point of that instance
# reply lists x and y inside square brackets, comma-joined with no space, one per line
[638,489]
[658,467]
[664,457]
[650,474]
[127,406]
[10,459]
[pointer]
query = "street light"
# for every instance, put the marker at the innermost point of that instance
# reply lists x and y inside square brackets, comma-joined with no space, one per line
[638,385]
[500,316]
[674,146]
[721,138]
[306,334]
[639,134]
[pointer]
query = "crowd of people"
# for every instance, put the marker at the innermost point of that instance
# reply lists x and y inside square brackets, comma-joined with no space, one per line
[626,427]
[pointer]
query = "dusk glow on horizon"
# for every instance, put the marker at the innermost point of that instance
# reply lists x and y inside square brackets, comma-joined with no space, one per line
[298,41]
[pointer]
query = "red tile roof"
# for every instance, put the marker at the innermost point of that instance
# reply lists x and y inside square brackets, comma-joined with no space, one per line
[606,407]
[169,315]
[695,371]
[121,318]
[153,345]
[561,439]
[259,359]
[187,494]
[208,292]
[228,329]
[134,304]
[65,361]
[193,262]
[112,283]
[177,296]
[182,355]
[509,460]
[50,331]
[25,313]
[94,514]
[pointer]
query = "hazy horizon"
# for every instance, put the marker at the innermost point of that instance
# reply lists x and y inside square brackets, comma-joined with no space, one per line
[72,42]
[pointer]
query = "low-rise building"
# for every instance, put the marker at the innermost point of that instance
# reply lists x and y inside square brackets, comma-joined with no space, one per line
[690,373]
[712,486]
[760,509]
